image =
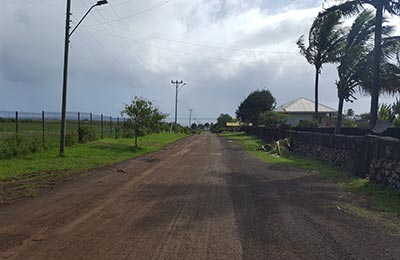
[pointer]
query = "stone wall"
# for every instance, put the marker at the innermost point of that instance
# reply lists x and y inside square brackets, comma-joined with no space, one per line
[372,156]
[340,150]
[384,166]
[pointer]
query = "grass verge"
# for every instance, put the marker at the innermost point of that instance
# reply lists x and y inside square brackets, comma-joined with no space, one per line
[382,199]
[21,177]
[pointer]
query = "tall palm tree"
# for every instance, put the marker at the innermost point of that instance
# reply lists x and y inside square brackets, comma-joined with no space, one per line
[356,62]
[354,6]
[323,37]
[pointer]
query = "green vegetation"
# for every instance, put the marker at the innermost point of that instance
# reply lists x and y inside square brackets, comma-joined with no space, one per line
[24,176]
[322,41]
[31,138]
[307,123]
[222,120]
[256,102]
[144,117]
[383,199]
[272,118]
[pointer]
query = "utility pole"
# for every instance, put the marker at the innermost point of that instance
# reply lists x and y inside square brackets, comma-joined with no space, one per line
[190,117]
[177,85]
[65,78]
[65,73]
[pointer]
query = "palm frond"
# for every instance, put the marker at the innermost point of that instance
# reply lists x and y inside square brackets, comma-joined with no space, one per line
[348,8]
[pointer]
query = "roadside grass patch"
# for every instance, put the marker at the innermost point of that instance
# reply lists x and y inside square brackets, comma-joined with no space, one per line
[24,176]
[382,199]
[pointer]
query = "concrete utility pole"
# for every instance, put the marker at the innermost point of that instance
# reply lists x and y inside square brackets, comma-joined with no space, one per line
[190,117]
[177,85]
[65,78]
[65,73]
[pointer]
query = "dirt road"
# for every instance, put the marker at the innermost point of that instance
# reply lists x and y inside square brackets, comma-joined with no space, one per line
[201,198]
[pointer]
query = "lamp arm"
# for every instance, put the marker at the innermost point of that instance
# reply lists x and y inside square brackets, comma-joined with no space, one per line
[90,9]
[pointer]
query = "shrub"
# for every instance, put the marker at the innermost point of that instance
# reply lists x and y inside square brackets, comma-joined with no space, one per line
[87,134]
[272,118]
[71,138]
[307,123]
[14,146]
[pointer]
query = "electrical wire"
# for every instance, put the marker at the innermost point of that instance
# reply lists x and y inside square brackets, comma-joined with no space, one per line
[127,47]
[30,11]
[135,14]
[144,51]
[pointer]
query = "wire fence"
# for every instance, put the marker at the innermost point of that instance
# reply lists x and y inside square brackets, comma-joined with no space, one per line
[46,125]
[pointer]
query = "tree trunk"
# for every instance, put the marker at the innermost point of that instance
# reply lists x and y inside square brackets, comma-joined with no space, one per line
[136,137]
[339,116]
[317,69]
[376,64]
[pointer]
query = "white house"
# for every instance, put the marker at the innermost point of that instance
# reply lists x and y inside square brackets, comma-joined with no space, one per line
[302,109]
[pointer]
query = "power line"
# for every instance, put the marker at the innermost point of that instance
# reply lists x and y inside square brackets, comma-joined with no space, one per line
[204,45]
[126,48]
[191,53]
[138,13]
[30,11]
[144,51]
[104,53]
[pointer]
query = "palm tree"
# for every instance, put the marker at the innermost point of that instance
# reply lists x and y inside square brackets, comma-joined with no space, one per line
[323,38]
[356,62]
[354,6]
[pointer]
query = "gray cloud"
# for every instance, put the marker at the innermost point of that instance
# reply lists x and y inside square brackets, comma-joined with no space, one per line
[222,49]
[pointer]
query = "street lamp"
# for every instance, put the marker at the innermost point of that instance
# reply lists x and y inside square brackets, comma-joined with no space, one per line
[65,73]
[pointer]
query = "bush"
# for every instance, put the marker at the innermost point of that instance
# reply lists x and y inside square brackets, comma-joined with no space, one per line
[272,119]
[87,134]
[307,123]
[71,138]
[14,146]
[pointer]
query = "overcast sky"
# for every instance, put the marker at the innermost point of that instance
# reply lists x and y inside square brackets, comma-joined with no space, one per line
[222,49]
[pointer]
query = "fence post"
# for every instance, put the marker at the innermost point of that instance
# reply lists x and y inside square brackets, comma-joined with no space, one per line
[79,121]
[102,126]
[110,126]
[118,131]
[91,119]
[43,132]
[16,126]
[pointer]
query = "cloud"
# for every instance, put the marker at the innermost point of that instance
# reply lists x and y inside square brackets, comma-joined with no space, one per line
[222,49]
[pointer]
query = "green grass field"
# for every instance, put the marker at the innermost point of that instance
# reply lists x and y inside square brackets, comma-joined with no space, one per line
[384,200]
[29,128]
[26,175]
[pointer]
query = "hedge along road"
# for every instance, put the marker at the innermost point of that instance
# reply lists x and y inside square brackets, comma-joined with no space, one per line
[201,198]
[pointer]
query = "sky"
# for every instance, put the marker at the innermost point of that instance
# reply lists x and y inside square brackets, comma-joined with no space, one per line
[222,49]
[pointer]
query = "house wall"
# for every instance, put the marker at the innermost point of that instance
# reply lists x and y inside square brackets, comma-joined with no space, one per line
[295,118]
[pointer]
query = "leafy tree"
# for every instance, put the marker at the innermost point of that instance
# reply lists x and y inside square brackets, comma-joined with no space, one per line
[354,6]
[323,38]
[193,126]
[257,102]
[221,123]
[272,118]
[143,116]
[223,119]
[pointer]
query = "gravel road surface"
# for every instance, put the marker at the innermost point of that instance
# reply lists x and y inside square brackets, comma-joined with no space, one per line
[200,198]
